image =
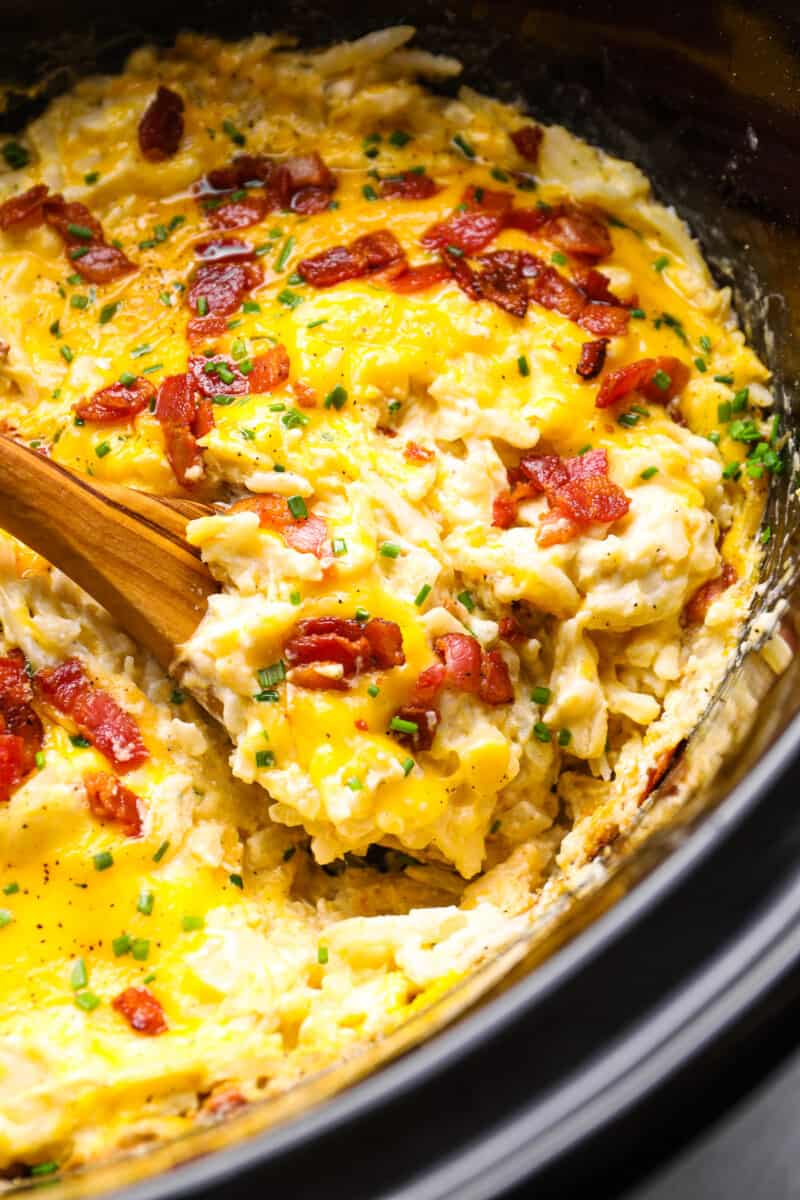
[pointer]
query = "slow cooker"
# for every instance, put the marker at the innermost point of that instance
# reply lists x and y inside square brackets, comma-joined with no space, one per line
[582,1056]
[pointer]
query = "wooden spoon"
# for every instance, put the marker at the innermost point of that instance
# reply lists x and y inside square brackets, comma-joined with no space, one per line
[126,549]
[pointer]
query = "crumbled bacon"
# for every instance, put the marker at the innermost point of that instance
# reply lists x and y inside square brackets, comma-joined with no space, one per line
[509,629]
[203,329]
[367,255]
[321,642]
[419,279]
[503,285]
[645,376]
[161,126]
[303,184]
[596,285]
[553,291]
[240,213]
[270,370]
[178,413]
[306,534]
[21,731]
[469,232]
[429,684]
[88,252]
[223,1102]
[463,274]
[227,249]
[606,320]
[528,140]
[306,396]
[141,1010]
[592,358]
[426,719]
[528,220]
[117,402]
[496,686]
[110,800]
[216,375]
[223,286]
[469,668]
[475,199]
[97,715]
[580,233]
[410,185]
[24,211]
[698,604]
[418,454]
[578,490]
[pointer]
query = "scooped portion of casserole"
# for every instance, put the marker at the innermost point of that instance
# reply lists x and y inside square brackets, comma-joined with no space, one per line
[489,456]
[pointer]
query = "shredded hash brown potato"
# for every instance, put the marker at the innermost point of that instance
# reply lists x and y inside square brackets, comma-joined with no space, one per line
[490,455]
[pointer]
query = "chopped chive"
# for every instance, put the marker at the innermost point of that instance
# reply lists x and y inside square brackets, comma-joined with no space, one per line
[55,329]
[660,263]
[394,406]
[297,507]
[322,955]
[289,299]
[495,826]
[202,306]
[251,306]
[268,696]
[705,344]
[6,917]
[10,889]
[564,737]
[78,301]
[139,351]
[522,365]
[422,594]
[701,365]
[628,419]
[732,470]
[265,758]
[662,381]
[339,547]
[399,138]
[456,251]
[66,353]
[314,324]
[102,449]
[145,903]
[87,1001]
[78,976]
[166,299]
[354,783]
[121,945]
[294,597]
[400,725]
[649,472]
[275,673]
[103,860]
[361,614]
[140,949]
[723,379]
[233,133]
[108,312]
[541,732]
[16,156]
[541,695]
[558,258]
[148,244]
[389,550]
[764,537]
[373,691]
[724,411]
[368,192]
[222,401]
[237,881]
[152,369]
[714,437]
[289,853]
[638,314]
[408,765]
[40,759]
[161,851]
[467,600]
[190,923]
[286,250]
[463,145]
[78,252]
[336,399]
[80,231]
[740,400]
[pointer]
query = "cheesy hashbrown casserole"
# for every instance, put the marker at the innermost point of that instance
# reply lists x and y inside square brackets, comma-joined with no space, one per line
[489,456]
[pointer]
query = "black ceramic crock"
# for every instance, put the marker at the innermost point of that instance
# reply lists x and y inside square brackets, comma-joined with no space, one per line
[599,1060]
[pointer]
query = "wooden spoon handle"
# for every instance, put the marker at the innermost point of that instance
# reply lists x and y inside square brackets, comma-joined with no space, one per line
[125,548]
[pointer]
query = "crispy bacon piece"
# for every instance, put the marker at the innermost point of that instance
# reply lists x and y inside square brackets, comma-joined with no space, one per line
[177,413]
[223,286]
[60,214]
[426,719]
[477,199]
[240,213]
[469,232]
[604,319]
[24,211]
[528,220]
[110,800]
[69,690]
[496,686]
[578,490]
[463,274]
[117,402]
[429,684]
[103,264]
[253,169]
[373,252]
[216,375]
[21,731]
[270,370]
[223,1102]
[698,604]
[644,376]
[592,358]
[306,534]
[375,645]
[418,454]
[527,141]
[410,185]
[141,1010]
[579,232]
[419,279]
[596,285]
[509,629]
[161,126]
[553,291]
[503,284]
[469,668]
[306,396]
[301,183]
[204,329]
[227,249]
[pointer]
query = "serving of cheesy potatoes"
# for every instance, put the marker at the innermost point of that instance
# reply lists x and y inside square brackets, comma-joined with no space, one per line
[485,457]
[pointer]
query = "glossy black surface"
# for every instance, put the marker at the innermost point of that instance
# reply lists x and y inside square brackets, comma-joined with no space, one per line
[583,1075]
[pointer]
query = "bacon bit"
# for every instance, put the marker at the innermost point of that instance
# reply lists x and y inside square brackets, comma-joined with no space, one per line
[579,493]
[306,396]
[309,534]
[110,800]
[98,262]
[698,604]
[310,200]
[239,214]
[322,641]
[373,252]
[419,279]
[270,370]
[553,291]
[386,431]
[592,359]
[665,761]
[509,629]
[229,249]
[223,1102]
[361,725]
[503,284]
[117,402]
[203,329]
[604,319]
[504,510]
[426,720]
[471,669]
[596,285]
[223,285]
[24,211]
[477,199]
[303,183]
[161,126]
[429,684]
[418,454]
[103,264]
[578,232]
[208,382]
[21,731]
[141,1010]
[177,412]
[245,169]
[463,274]
[469,232]
[408,186]
[528,220]
[527,141]
[639,377]
[496,686]
[69,690]
[59,215]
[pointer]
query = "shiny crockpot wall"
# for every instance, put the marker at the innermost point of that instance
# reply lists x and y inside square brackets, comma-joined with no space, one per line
[706,98]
